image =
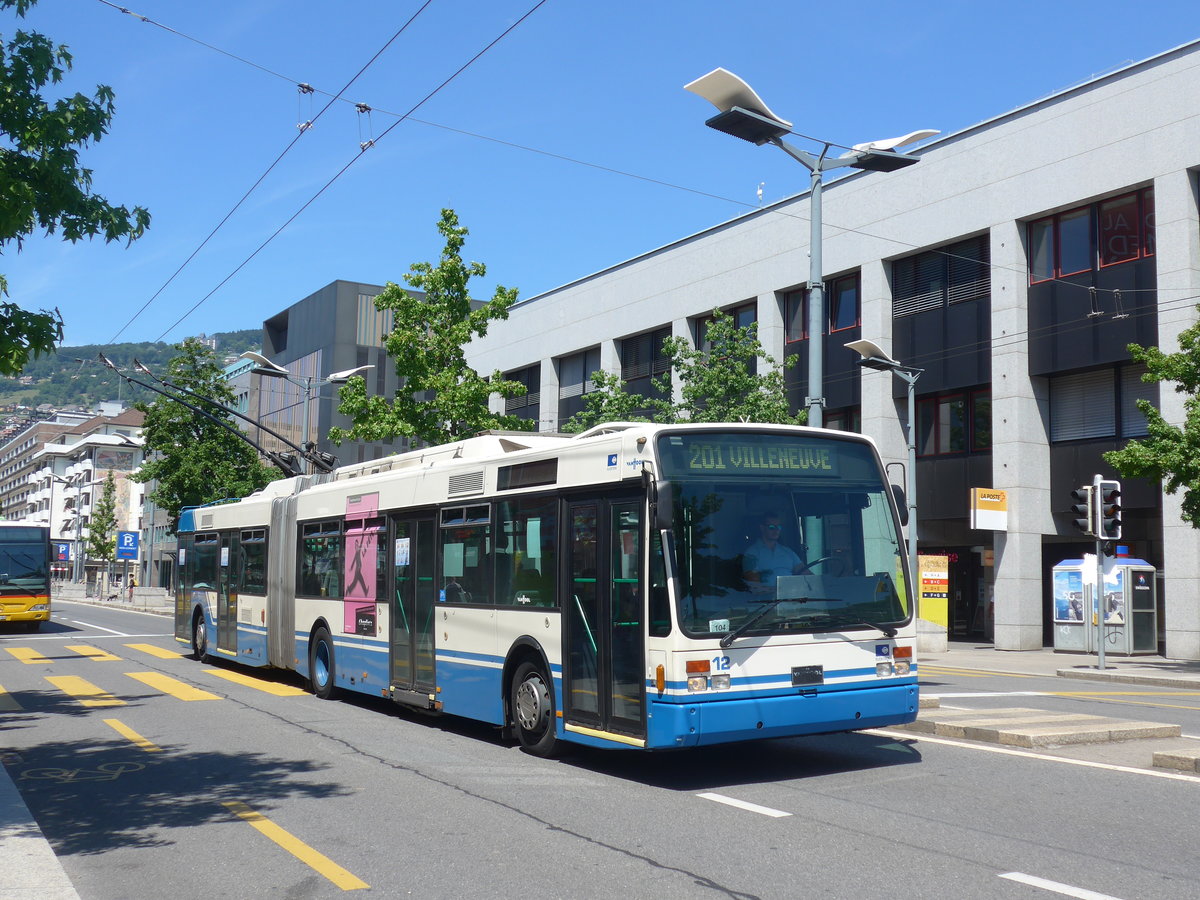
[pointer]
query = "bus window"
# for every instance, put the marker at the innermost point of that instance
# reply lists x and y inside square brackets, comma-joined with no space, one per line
[466,554]
[253,577]
[526,552]
[320,560]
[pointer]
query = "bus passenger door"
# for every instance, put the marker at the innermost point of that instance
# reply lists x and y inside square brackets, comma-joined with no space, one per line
[413,591]
[603,644]
[227,597]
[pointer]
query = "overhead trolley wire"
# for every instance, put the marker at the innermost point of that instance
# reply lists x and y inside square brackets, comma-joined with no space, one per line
[352,161]
[774,209]
[269,168]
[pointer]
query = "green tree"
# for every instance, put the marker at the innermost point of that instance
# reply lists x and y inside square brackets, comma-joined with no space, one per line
[102,525]
[42,185]
[719,383]
[441,398]
[190,459]
[1169,453]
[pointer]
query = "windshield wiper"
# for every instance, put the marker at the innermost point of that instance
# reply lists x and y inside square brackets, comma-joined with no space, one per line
[758,616]
[852,622]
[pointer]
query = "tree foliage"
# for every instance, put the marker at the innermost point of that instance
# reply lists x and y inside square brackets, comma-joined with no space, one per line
[190,459]
[43,187]
[732,379]
[102,525]
[1169,453]
[441,398]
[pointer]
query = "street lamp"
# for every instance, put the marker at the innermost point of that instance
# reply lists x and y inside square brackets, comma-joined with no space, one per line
[310,384]
[743,114]
[873,357]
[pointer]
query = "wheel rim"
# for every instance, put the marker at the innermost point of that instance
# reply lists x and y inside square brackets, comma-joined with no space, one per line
[321,664]
[201,636]
[533,704]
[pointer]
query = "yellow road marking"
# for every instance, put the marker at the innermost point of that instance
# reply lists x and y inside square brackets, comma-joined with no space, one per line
[293,845]
[1107,697]
[268,687]
[172,686]
[91,652]
[84,691]
[155,651]
[26,655]
[126,732]
[7,703]
[968,673]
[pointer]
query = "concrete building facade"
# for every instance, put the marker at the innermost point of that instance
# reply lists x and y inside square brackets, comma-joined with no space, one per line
[1013,264]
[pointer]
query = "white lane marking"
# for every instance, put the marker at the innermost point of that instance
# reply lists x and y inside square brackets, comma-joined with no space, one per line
[121,609]
[749,807]
[100,627]
[1005,751]
[1056,887]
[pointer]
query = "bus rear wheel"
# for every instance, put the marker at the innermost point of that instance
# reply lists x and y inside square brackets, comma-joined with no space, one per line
[320,664]
[532,706]
[200,637]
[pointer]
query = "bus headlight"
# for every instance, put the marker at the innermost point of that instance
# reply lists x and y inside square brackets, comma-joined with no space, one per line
[903,667]
[883,669]
[720,683]
[39,607]
[697,683]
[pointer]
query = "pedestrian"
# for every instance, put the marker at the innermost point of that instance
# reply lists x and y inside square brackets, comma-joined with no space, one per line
[132,585]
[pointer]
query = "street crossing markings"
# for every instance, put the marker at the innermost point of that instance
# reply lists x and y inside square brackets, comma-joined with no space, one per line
[293,845]
[155,651]
[926,668]
[172,686]
[7,703]
[84,691]
[91,652]
[267,687]
[129,734]
[1056,886]
[27,655]
[749,807]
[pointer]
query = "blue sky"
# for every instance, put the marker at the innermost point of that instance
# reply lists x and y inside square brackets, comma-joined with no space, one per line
[567,147]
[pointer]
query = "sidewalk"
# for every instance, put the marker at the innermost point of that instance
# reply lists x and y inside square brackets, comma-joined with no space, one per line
[1145,670]
[28,866]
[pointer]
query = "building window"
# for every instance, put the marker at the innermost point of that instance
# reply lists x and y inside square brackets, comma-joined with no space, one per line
[642,355]
[373,324]
[931,280]
[575,373]
[842,301]
[1117,230]
[1101,403]
[849,419]
[954,423]
[525,407]
[743,316]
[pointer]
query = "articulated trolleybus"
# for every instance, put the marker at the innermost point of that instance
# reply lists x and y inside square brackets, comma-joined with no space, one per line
[24,574]
[611,588]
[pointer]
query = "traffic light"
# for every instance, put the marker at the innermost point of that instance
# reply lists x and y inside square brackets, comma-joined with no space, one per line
[1108,510]
[1083,510]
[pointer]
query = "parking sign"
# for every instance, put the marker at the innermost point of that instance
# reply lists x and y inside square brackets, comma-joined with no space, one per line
[127,545]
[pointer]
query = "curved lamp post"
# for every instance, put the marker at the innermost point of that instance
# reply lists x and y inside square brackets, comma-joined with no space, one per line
[310,384]
[743,114]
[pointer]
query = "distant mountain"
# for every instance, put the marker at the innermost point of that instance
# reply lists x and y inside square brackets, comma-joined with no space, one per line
[74,376]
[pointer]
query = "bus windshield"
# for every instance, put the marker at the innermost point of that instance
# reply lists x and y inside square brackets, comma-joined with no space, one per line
[774,533]
[23,568]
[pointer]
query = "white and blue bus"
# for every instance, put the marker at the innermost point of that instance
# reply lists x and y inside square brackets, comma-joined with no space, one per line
[605,588]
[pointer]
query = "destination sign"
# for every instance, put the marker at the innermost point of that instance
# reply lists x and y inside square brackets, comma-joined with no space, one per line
[759,455]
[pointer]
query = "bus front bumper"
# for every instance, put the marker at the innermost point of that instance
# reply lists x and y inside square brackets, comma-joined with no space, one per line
[702,723]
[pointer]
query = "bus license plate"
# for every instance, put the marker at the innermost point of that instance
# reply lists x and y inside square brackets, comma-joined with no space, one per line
[807,675]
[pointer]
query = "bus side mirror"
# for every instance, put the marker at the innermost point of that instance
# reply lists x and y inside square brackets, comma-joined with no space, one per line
[663,504]
[901,503]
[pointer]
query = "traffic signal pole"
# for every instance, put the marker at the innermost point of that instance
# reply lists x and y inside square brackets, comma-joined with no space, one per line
[1097,513]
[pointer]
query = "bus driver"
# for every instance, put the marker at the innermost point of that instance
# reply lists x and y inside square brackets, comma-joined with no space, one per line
[766,559]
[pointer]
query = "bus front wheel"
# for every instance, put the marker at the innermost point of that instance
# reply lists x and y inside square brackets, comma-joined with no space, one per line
[320,664]
[532,705]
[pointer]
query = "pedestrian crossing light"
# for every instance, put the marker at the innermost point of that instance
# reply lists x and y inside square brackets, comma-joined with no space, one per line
[1108,510]
[1083,509]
